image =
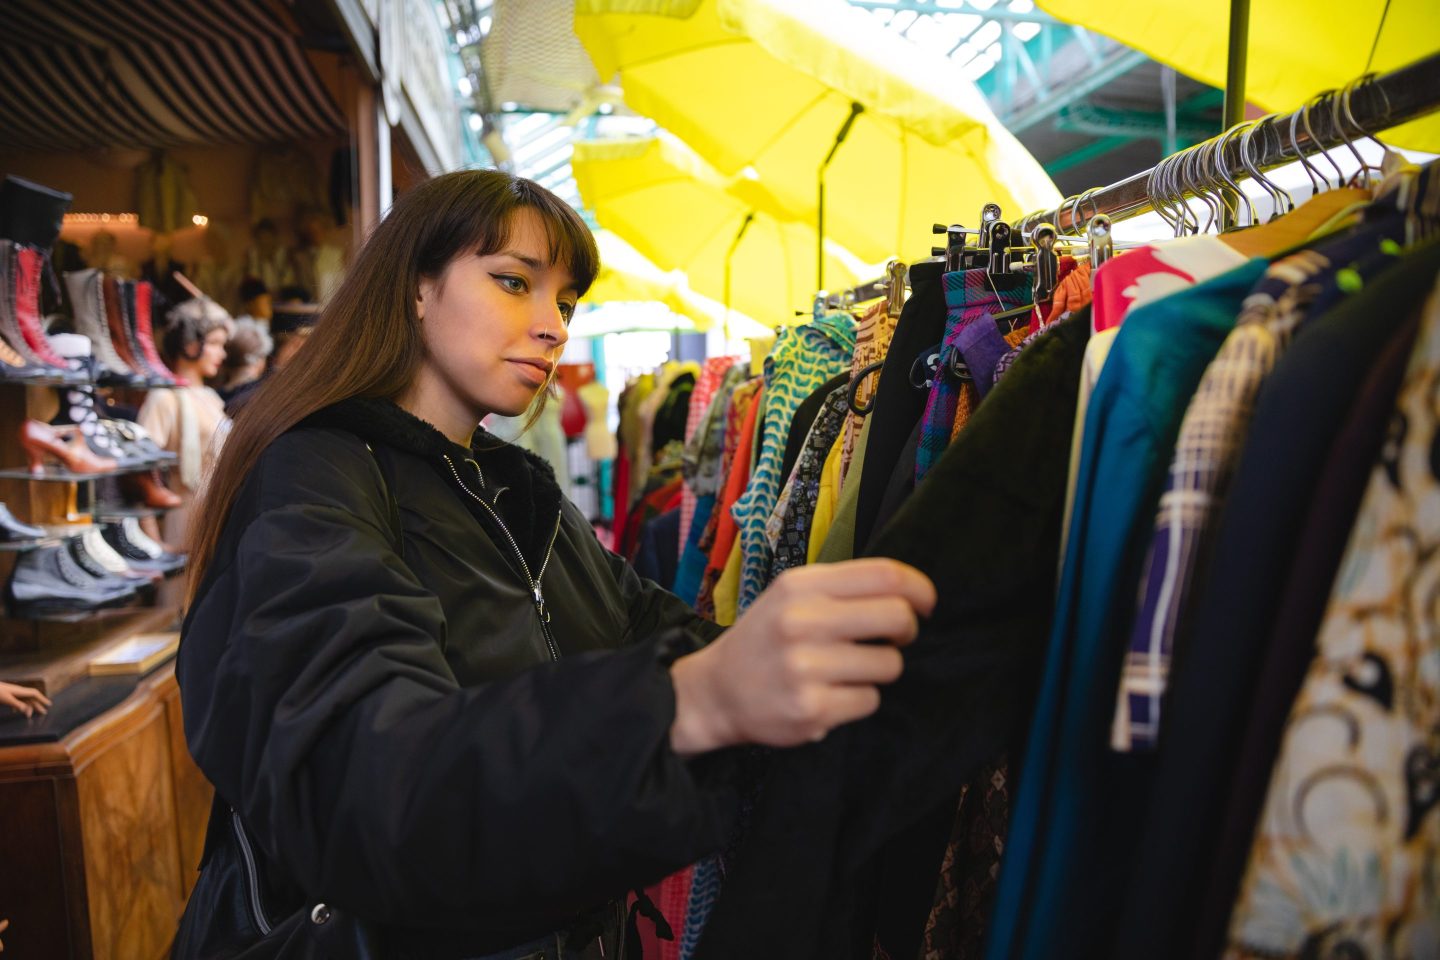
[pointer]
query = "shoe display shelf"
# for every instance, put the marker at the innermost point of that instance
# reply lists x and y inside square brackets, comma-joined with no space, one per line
[52,650]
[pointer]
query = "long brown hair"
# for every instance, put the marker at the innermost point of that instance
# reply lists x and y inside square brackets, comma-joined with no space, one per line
[367,341]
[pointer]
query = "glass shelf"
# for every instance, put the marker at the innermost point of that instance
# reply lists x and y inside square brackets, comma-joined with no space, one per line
[56,474]
[119,511]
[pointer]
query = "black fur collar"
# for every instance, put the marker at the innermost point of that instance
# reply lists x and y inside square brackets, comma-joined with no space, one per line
[520,485]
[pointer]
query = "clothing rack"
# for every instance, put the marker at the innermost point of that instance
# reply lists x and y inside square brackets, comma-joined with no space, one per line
[1371,104]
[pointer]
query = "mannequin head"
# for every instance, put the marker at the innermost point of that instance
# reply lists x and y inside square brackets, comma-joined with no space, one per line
[195,336]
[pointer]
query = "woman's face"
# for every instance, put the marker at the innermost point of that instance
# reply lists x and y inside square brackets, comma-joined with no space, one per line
[494,325]
[212,353]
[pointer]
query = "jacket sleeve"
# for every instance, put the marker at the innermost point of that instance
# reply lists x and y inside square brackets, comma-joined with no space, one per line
[318,702]
[654,611]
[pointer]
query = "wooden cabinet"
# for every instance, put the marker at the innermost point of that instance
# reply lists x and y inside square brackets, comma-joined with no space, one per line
[102,832]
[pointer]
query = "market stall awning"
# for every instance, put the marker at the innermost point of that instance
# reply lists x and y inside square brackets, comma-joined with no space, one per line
[154,73]
[1297,48]
[763,86]
[677,211]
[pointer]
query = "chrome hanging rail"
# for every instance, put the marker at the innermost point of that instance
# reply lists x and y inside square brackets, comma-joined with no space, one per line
[1330,120]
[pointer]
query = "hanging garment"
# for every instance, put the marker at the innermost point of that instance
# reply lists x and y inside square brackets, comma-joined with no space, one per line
[967,686]
[164,201]
[669,424]
[1203,461]
[964,893]
[1072,295]
[840,539]
[1096,353]
[799,435]
[1157,270]
[898,405]
[1059,832]
[720,535]
[801,423]
[793,545]
[872,343]
[286,179]
[1292,646]
[1333,864]
[712,374]
[827,497]
[657,553]
[971,297]
[1300,410]
[804,357]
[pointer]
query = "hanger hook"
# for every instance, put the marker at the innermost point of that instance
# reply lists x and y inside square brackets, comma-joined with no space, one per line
[1317,182]
[1340,131]
[1281,200]
[1315,102]
[1360,131]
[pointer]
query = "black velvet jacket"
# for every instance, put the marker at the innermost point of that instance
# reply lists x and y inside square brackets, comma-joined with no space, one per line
[434,700]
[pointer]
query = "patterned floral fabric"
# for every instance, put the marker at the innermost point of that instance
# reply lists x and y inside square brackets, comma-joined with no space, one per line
[793,545]
[804,357]
[1345,857]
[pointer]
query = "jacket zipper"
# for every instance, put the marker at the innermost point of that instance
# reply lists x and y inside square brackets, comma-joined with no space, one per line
[537,593]
[252,887]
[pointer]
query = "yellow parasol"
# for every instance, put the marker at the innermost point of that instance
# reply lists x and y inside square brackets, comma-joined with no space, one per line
[1297,48]
[762,87]
[677,211]
[627,277]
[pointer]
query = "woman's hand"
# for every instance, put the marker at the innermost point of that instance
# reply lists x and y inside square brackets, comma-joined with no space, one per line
[790,670]
[23,699]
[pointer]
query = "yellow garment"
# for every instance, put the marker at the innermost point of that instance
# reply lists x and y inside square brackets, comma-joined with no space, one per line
[828,499]
[1297,48]
[727,588]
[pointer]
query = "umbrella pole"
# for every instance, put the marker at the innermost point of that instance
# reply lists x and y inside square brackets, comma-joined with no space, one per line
[730,255]
[855,110]
[1234,109]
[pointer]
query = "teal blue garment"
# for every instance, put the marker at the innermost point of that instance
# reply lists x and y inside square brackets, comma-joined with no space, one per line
[1057,827]
[692,561]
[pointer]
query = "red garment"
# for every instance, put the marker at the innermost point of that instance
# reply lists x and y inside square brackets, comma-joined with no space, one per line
[654,503]
[572,415]
[735,485]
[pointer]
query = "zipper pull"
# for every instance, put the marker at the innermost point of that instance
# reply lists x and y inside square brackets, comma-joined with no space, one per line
[540,603]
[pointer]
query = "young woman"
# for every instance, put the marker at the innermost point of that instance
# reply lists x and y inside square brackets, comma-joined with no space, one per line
[440,719]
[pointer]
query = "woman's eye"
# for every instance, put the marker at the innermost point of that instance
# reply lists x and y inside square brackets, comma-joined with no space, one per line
[512,283]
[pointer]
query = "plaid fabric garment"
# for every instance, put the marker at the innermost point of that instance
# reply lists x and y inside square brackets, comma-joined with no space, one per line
[969,296]
[1211,436]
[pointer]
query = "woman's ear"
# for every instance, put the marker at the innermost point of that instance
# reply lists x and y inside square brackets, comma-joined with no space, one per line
[424,294]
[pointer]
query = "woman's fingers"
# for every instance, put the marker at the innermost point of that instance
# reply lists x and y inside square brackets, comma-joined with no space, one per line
[857,579]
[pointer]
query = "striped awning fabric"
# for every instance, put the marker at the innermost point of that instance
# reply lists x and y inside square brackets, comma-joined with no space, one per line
[154,73]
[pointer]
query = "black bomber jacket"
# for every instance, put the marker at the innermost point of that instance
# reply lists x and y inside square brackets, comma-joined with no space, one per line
[432,697]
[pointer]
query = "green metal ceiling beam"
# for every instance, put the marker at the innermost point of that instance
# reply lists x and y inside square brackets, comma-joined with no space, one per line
[1135,124]
[1073,92]
[1091,150]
